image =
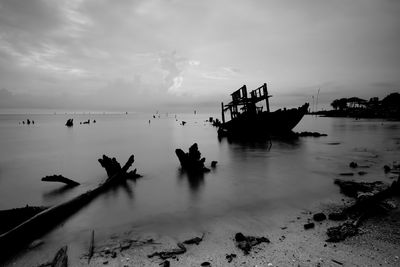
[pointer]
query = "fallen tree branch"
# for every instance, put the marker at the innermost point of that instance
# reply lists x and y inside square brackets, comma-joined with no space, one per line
[49,218]
[61,179]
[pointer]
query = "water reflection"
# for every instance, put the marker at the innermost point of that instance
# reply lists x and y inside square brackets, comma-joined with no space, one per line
[124,186]
[54,193]
[195,180]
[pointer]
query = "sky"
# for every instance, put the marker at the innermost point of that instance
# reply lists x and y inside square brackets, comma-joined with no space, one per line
[176,55]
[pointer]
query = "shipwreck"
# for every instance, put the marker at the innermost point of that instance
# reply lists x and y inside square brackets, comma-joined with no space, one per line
[248,116]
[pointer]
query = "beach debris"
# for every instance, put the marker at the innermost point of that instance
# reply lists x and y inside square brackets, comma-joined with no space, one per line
[45,220]
[165,264]
[169,253]
[87,122]
[205,264]
[309,225]
[230,257]
[59,260]
[319,217]
[337,216]
[353,164]
[192,161]
[36,243]
[353,189]
[195,240]
[246,243]
[69,123]
[183,123]
[311,134]
[214,164]
[386,168]
[346,174]
[341,232]
[370,199]
[61,179]
[337,262]
[91,247]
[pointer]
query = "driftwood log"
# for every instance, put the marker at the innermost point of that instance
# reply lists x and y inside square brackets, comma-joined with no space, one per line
[61,179]
[59,260]
[191,161]
[51,217]
[12,217]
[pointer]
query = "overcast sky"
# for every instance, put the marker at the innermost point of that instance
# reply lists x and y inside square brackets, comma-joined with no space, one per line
[117,55]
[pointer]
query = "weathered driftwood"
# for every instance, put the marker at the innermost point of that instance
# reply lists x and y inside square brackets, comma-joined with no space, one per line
[52,216]
[353,189]
[61,179]
[169,253]
[13,217]
[191,161]
[245,243]
[59,260]
[312,134]
[195,240]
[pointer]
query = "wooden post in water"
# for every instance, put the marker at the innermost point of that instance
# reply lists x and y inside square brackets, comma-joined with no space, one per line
[266,96]
[223,113]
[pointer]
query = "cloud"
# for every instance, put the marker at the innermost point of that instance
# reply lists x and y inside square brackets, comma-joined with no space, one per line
[173,67]
[93,49]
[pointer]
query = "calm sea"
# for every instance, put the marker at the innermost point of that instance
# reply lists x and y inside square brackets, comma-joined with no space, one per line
[254,183]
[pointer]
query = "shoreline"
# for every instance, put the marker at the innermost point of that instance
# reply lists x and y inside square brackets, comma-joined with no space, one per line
[290,244]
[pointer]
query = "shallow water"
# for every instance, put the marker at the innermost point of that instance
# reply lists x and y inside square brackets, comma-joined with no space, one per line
[256,181]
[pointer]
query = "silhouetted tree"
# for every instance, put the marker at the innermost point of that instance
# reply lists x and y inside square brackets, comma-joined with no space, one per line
[340,104]
[392,100]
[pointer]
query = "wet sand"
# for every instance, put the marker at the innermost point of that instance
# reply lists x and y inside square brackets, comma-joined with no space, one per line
[291,245]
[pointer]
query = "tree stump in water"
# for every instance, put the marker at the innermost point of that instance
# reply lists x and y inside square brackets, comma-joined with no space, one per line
[192,161]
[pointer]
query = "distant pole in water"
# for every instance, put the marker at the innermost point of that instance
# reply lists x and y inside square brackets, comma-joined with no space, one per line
[312,104]
[317,100]
[222,111]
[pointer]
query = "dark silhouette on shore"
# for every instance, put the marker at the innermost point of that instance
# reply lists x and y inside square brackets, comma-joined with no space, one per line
[354,107]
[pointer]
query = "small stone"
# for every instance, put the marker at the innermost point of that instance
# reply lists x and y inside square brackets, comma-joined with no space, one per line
[105,262]
[309,226]
[165,264]
[319,217]
[240,237]
[386,168]
[230,257]
[214,163]
[113,254]
[353,164]
[206,263]
[36,243]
